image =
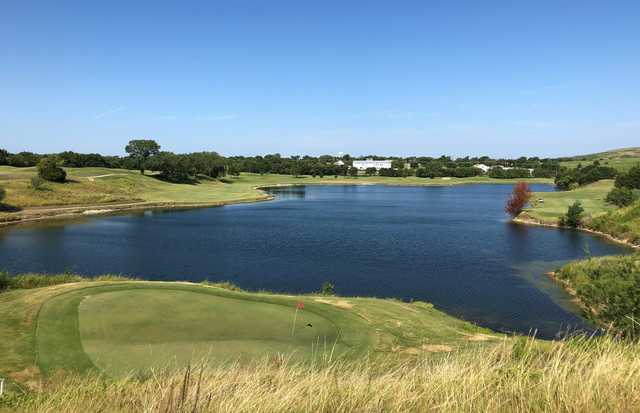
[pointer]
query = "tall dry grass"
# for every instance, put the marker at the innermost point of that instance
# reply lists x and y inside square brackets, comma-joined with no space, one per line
[577,375]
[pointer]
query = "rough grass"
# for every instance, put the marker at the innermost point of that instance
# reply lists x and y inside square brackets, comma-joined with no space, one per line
[608,288]
[622,223]
[578,375]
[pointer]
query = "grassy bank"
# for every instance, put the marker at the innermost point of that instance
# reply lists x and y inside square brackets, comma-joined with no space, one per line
[621,224]
[114,188]
[608,289]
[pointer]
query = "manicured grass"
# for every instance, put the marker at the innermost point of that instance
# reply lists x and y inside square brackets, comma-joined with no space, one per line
[123,327]
[101,185]
[555,204]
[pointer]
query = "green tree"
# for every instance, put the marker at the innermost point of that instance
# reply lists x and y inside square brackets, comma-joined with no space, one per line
[3,194]
[141,150]
[629,180]
[49,170]
[573,218]
[328,288]
[371,171]
[621,197]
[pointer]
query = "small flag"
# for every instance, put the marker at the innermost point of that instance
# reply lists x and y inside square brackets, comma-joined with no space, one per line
[300,306]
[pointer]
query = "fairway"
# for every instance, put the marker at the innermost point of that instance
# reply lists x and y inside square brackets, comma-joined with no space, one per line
[130,330]
[592,197]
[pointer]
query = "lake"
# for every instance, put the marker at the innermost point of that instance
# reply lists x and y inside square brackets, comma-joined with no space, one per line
[451,246]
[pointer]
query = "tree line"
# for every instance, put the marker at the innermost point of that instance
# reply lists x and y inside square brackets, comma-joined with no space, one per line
[181,167]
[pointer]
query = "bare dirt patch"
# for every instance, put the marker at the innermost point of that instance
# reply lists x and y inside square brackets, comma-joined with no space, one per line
[337,303]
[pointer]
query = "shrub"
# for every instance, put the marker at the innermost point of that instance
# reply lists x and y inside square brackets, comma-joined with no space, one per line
[629,180]
[3,194]
[37,183]
[621,197]
[573,218]
[610,287]
[328,288]
[50,171]
[5,281]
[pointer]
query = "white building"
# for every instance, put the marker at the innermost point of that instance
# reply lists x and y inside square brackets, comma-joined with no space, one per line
[370,163]
[484,168]
[339,163]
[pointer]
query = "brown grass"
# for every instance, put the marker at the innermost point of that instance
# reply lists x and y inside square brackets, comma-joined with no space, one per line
[578,375]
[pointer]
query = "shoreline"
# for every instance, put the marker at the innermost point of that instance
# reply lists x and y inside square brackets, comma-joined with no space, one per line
[79,211]
[528,220]
[46,213]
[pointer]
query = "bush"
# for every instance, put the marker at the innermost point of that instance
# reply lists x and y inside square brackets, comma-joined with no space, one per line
[3,194]
[37,183]
[573,218]
[611,287]
[621,197]
[629,180]
[5,281]
[328,288]
[49,170]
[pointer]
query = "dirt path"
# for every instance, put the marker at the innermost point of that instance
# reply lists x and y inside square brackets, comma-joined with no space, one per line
[93,178]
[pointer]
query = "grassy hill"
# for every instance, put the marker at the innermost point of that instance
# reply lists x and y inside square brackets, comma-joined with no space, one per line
[620,159]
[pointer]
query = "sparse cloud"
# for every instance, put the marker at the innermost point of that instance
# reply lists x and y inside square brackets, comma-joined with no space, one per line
[109,112]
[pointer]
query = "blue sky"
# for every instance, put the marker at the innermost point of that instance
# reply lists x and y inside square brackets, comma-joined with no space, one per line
[299,77]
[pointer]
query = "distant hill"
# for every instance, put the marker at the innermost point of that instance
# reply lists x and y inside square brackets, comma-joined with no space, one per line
[612,154]
[621,159]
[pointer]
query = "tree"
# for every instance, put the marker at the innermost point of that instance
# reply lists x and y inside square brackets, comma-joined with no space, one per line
[353,171]
[141,150]
[573,218]
[371,171]
[49,170]
[629,180]
[328,288]
[3,194]
[518,199]
[621,197]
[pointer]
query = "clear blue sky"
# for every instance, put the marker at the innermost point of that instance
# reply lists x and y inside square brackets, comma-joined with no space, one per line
[389,77]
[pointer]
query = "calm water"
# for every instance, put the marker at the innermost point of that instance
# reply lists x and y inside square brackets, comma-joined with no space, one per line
[452,246]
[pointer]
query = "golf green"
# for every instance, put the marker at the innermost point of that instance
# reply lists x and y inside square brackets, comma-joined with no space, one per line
[132,327]
[136,329]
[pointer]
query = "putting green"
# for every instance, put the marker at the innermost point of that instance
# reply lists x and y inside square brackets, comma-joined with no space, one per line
[136,329]
[132,327]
